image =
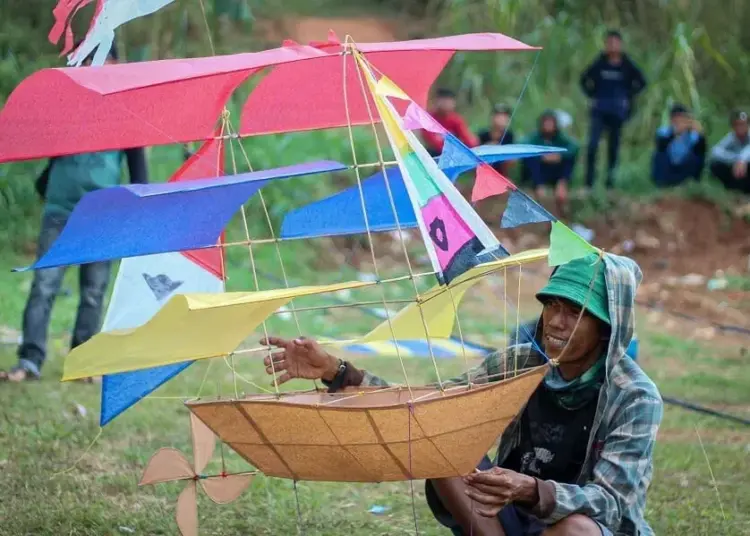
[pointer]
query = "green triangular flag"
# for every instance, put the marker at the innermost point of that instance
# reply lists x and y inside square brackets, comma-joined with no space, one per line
[565,245]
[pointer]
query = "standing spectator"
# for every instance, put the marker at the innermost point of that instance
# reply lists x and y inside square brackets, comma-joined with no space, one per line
[556,169]
[611,82]
[64,181]
[499,134]
[444,112]
[680,152]
[729,158]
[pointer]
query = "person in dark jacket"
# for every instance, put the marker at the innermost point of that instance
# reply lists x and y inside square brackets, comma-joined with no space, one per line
[612,82]
[499,133]
[64,181]
[680,151]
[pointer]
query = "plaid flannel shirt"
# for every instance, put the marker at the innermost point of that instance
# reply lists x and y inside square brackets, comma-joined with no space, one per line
[616,473]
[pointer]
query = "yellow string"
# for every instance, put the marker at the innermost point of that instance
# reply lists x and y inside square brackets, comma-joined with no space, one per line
[505,320]
[711,472]
[275,241]
[255,276]
[98,435]
[208,28]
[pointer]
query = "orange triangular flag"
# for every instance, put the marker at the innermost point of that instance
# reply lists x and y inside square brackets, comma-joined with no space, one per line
[488,183]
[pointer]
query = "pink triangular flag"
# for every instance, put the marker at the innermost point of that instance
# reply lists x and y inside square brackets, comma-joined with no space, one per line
[417,117]
[488,183]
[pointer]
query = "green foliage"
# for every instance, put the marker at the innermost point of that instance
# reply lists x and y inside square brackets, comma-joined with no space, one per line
[685,50]
[688,51]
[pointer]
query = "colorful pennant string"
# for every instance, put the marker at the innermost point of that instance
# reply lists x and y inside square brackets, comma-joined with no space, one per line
[566,245]
[417,118]
[522,210]
[489,183]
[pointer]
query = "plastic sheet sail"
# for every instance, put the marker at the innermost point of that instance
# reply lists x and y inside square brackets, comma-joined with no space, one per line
[169,307]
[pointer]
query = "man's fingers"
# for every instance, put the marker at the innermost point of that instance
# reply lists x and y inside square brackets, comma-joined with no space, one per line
[490,490]
[280,380]
[277,367]
[278,357]
[485,498]
[306,343]
[274,341]
[490,479]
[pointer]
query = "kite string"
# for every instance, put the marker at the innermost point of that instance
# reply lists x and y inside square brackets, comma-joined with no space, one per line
[460,333]
[300,525]
[505,319]
[409,416]
[366,219]
[711,472]
[267,214]
[520,96]
[518,319]
[86,451]
[360,61]
[208,28]
[273,238]
[205,376]
[255,275]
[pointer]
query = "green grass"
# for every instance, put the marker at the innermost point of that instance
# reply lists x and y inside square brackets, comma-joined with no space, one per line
[43,437]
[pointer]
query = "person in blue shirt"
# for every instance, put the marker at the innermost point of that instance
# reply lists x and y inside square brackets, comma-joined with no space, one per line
[680,151]
[63,183]
[612,82]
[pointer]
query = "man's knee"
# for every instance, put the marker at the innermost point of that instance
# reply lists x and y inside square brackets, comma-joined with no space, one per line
[574,525]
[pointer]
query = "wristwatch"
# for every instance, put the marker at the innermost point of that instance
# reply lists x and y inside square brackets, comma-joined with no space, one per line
[338,380]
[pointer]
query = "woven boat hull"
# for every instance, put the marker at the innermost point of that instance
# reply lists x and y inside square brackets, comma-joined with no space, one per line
[367,435]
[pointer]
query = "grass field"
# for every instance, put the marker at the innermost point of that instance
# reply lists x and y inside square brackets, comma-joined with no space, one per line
[43,435]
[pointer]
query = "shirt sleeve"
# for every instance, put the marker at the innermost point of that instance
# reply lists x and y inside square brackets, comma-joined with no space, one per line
[589,78]
[721,153]
[681,146]
[464,133]
[621,475]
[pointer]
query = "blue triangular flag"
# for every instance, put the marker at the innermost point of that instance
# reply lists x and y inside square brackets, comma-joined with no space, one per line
[521,210]
[456,154]
[122,390]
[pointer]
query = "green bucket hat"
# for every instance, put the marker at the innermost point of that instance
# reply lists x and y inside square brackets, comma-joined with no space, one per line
[572,281]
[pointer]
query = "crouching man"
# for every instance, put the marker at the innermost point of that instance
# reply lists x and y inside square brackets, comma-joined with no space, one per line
[578,458]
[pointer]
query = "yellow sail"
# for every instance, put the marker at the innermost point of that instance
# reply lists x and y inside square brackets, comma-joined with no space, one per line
[189,327]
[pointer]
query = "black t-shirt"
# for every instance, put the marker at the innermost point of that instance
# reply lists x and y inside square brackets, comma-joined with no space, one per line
[553,439]
[485,138]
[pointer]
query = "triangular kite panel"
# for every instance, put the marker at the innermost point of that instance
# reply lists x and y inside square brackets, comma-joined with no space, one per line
[522,210]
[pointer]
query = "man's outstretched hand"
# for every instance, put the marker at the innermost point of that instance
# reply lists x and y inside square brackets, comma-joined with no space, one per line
[299,358]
